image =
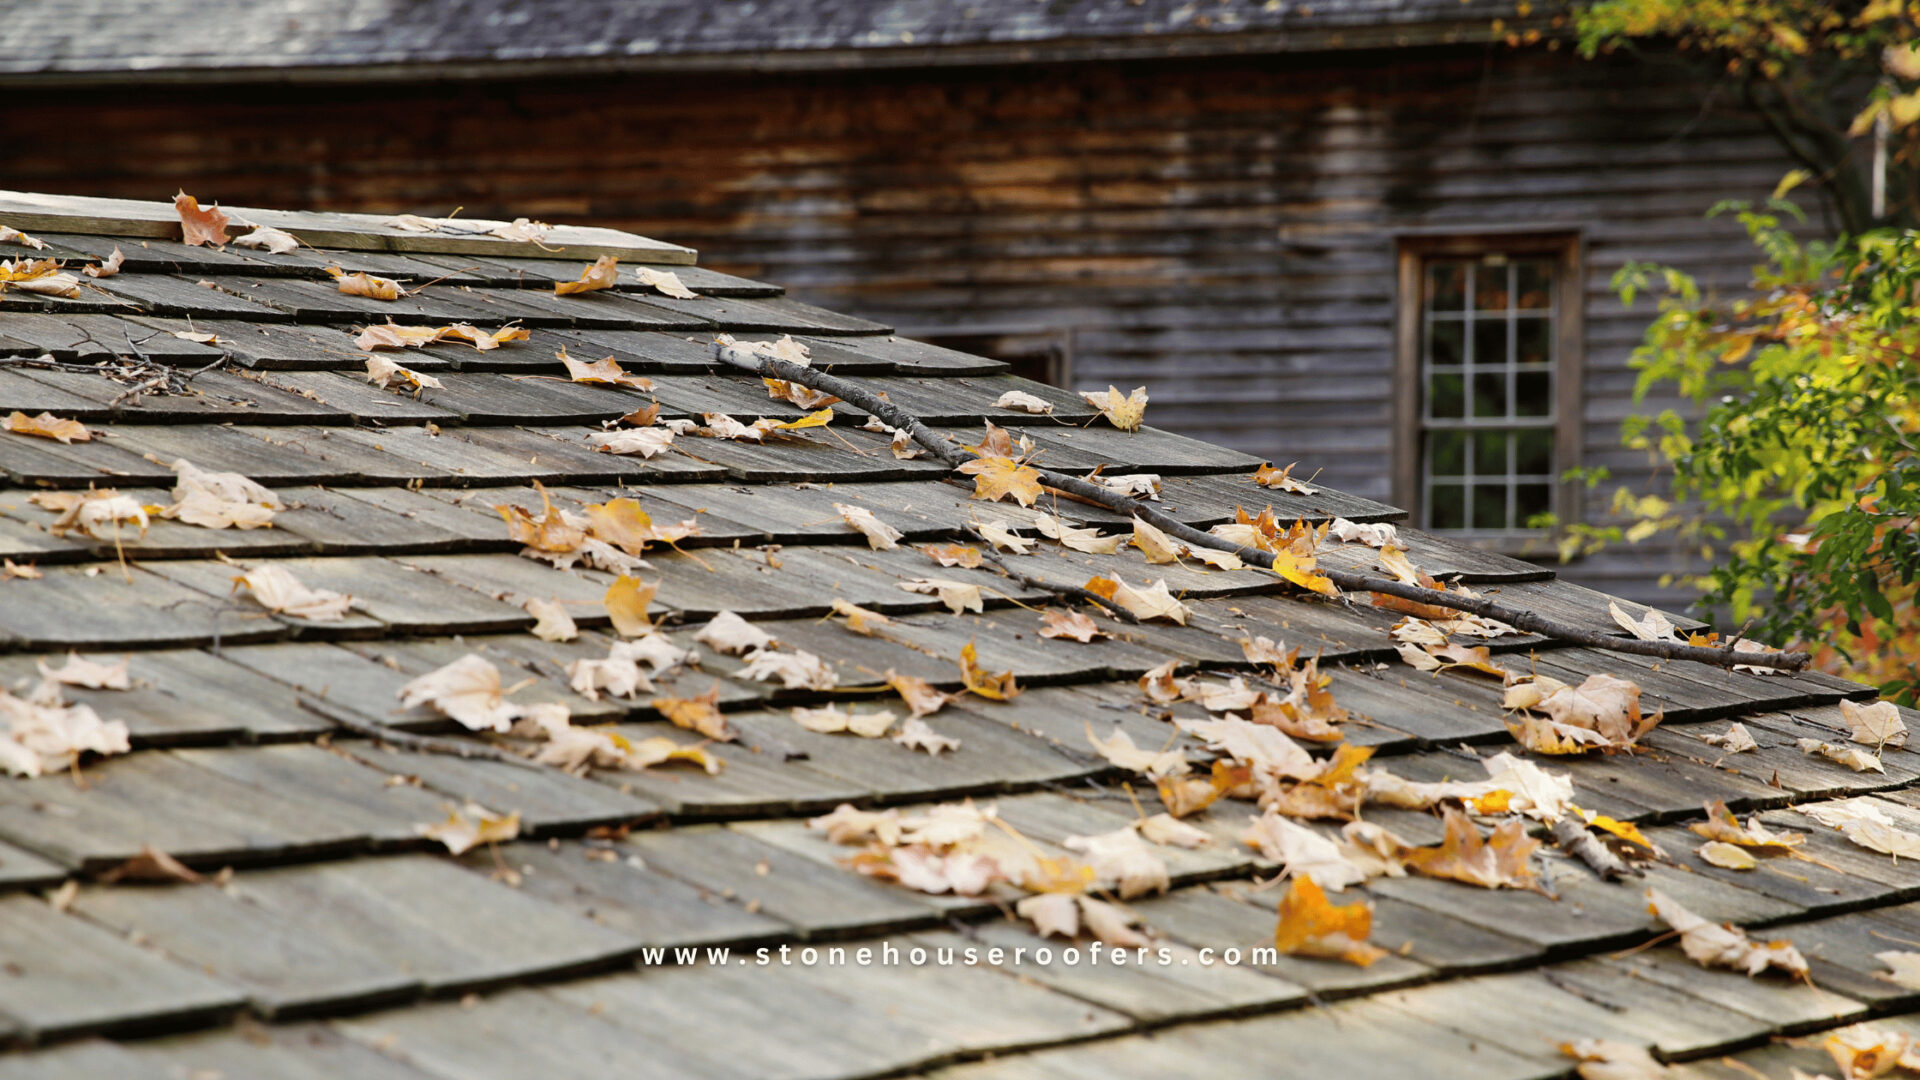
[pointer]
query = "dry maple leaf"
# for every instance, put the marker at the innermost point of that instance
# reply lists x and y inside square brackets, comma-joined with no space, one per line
[1851,756]
[41,276]
[664,282]
[392,336]
[10,570]
[982,683]
[108,266]
[466,690]
[45,734]
[1144,603]
[1712,944]
[1375,536]
[1125,413]
[1072,625]
[1304,853]
[278,591]
[957,595]
[804,396]
[9,235]
[915,734]
[1652,626]
[268,239]
[701,714]
[1169,831]
[198,226]
[1133,486]
[365,284]
[1024,402]
[151,866]
[624,524]
[97,513]
[46,426]
[1268,751]
[626,603]
[1156,545]
[796,670]
[1499,861]
[91,674]
[467,828]
[1000,477]
[860,620]
[644,441]
[1609,1059]
[921,698]
[832,720]
[1736,740]
[953,555]
[1085,540]
[1877,725]
[220,500]
[482,340]
[1603,712]
[382,372]
[1722,825]
[1863,1052]
[620,674]
[1119,749]
[880,535]
[605,372]
[1281,480]
[1310,926]
[551,621]
[603,274]
[732,635]
[1122,862]
[1726,856]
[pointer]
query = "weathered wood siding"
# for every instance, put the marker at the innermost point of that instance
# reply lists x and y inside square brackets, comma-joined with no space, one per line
[1222,231]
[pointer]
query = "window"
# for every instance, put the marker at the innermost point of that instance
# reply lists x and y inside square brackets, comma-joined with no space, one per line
[1488,384]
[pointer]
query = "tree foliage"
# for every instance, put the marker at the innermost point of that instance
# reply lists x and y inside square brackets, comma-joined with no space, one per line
[1799,478]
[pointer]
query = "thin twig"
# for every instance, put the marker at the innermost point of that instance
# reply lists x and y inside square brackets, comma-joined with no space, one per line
[424,744]
[1067,593]
[1518,618]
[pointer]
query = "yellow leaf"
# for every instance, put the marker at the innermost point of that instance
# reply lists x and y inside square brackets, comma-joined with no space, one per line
[1300,571]
[1726,856]
[1125,413]
[983,683]
[603,274]
[626,601]
[1157,546]
[47,426]
[811,420]
[701,714]
[998,477]
[1310,926]
[1498,861]
[365,284]
[466,829]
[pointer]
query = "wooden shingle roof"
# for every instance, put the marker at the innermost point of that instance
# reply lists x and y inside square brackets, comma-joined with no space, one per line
[328,937]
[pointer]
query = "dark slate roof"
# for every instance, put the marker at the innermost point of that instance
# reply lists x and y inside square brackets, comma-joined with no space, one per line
[343,944]
[151,39]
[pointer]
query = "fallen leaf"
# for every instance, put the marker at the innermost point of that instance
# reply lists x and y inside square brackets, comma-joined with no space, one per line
[48,735]
[982,683]
[1726,856]
[915,734]
[466,690]
[603,274]
[47,426]
[1724,945]
[1851,756]
[957,595]
[391,336]
[728,633]
[1170,831]
[701,714]
[954,555]
[859,620]
[365,284]
[1071,625]
[626,603]
[97,513]
[552,623]
[796,670]
[1122,862]
[1722,825]
[805,397]
[1003,538]
[482,340]
[1268,751]
[1877,725]
[1651,626]
[812,420]
[1156,545]
[1745,646]
[1148,602]
[664,282]
[1084,540]
[1736,740]
[1609,1059]
[1904,968]
[1310,926]
[880,535]
[1302,853]
[1024,402]
[643,441]
[832,720]
[921,698]
[605,372]
[10,570]
[198,226]
[1119,749]
[1375,536]
[277,590]
[1499,861]
[996,478]
[1282,480]
[220,500]
[268,239]
[92,674]
[151,866]
[1862,1052]
[106,267]
[468,828]
[10,235]
[382,372]
[1125,413]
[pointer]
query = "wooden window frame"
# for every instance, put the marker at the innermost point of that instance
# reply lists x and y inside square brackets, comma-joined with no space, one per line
[1413,251]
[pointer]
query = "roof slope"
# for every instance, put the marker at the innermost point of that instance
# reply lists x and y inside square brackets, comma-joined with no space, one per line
[342,942]
[151,40]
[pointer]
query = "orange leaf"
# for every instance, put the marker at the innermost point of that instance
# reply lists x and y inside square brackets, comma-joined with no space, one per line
[365,284]
[984,683]
[549,532]
[1499,861]
[1281,479]
[603,274]
[199,226]
[701,714]
[602,371]
[48,426]
[953,555]
[1310,926]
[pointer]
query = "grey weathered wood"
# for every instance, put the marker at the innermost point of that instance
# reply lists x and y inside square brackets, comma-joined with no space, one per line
[288,1051]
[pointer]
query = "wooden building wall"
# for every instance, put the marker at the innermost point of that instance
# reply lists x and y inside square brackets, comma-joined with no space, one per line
[1222,231]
